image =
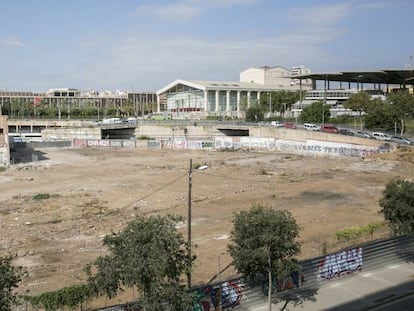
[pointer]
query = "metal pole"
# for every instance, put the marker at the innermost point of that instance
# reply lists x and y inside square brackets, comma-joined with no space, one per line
[324,103]
[269,291]
[270,104]
[189,220]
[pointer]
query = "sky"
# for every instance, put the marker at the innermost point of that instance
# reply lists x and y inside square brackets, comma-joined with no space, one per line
[143,45]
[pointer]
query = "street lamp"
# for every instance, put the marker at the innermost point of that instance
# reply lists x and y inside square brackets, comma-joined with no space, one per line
[190,183]
[324,102]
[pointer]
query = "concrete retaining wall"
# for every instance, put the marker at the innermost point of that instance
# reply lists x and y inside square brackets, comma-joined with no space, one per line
[71,133]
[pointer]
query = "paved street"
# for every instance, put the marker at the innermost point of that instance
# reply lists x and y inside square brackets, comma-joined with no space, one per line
[362,291]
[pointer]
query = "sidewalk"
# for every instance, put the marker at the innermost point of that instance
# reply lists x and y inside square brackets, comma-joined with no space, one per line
[362,291]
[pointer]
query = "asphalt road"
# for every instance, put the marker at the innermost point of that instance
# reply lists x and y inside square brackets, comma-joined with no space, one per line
[402,304]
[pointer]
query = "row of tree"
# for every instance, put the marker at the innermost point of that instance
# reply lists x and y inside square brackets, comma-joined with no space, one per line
[151,255]
[74,109]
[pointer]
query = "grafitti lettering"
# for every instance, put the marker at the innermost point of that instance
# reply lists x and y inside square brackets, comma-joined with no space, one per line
[335,265]
[220,297]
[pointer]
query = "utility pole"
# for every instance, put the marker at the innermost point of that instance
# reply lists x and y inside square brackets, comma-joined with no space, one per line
[190,172]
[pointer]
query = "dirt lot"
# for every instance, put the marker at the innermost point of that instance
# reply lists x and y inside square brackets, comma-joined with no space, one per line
[97,191]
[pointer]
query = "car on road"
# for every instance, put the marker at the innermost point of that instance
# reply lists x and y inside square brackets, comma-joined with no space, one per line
[311,127]
[363,134]
[401,140]
[327,128]
[290,125]
[381,136]
[345,132]
[277,124]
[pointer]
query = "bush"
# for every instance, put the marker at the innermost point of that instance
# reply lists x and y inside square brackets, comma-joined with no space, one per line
[354,233]
[41,196]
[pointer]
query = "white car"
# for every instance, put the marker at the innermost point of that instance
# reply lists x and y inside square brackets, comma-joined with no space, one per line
[277,124]
[381,136]
[311,127]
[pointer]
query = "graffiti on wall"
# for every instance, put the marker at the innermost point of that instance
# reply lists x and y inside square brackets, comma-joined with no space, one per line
[309,146]
[343,262]
[328,148]
[294,280]
[223,296]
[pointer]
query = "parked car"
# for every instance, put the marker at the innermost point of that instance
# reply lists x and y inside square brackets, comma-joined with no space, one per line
[290,125]
[329,128]
[345,132]
[401,140]
[277,124]
[311,127]
[381,136]
[363,134]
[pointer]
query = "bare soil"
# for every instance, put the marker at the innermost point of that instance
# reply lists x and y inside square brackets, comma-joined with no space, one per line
[93,192]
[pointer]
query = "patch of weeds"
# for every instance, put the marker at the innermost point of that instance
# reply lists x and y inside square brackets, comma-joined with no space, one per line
[263,171]
[43,196]
[311,195]
[145,137]
[2,169]
[232,149]
[54,221]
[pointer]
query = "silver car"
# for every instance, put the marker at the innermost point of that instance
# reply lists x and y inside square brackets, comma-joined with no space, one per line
[401,140]
[362,134]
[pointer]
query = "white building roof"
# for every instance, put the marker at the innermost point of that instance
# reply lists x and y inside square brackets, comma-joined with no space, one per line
[223,85]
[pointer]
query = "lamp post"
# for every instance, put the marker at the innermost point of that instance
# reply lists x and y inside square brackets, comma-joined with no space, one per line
[270,104]
[324,101]
[190,172]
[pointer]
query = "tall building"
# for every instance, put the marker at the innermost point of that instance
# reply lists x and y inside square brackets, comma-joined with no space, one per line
[277,76]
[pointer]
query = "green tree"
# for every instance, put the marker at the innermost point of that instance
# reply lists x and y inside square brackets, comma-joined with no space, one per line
[10,277]
[359,102]
[264,240]
[402,104]
[149,254]
[381,116]
[254,114]
[397,206]
[317,112]
[279,101]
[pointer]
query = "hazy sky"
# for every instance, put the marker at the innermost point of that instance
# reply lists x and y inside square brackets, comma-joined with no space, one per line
[142,45]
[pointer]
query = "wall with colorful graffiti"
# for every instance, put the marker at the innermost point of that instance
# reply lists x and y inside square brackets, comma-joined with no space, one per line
[220,296]
[344,262]
[255,143]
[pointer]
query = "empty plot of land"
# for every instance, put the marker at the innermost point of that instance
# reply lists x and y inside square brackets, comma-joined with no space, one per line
[54,213]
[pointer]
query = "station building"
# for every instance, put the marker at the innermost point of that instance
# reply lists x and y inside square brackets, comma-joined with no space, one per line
[190,99]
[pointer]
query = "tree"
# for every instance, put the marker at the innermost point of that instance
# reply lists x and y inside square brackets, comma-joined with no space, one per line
[149,254]
[254,114]
[279,101]
[381,116]
[317,112]
[397,206]
[9,280]
[264,240]
[402,104]
[359,102]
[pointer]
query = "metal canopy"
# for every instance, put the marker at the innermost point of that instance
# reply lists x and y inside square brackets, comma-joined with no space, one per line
[386,76]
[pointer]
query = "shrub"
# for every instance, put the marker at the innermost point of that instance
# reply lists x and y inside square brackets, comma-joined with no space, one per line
[41,196]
